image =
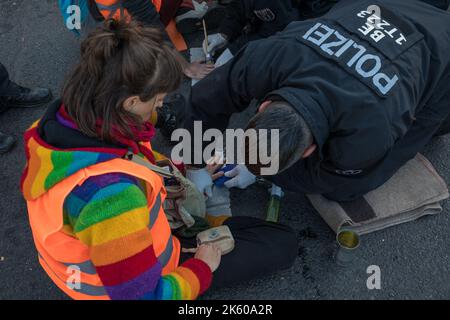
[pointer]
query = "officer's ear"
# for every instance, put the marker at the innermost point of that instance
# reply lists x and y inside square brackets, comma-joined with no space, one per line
[309,151]
[264,106]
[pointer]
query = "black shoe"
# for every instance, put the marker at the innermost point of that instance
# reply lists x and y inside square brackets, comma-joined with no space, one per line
[26,97]
[6,143]
[171,115]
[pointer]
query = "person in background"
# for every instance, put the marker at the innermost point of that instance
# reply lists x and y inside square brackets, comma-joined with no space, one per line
[93,209]
[162,14]
[248,20]
[14,96]
[349,107]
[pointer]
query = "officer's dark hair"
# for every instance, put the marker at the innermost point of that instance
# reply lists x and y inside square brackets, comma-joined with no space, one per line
[294,134]
[118,60]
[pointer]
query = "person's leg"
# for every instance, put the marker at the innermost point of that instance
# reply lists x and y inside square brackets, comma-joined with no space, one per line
[12,95]
[4,78]
[261,248]
[6,86]
[6,141]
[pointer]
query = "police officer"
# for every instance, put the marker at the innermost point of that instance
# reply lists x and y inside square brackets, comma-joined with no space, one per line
[355,94]
[248,20]
[15,96]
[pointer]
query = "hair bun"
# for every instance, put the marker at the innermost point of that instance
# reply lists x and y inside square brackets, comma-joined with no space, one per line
[118,28]
[111,25]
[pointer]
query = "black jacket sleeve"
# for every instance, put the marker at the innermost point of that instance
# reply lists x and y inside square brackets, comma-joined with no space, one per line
[235,19]
[266,17]
[145,12]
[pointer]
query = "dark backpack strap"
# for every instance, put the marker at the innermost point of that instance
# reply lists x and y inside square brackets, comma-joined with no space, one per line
[112,9]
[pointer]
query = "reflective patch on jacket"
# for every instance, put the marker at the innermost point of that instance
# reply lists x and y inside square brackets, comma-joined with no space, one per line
[265,15]
[349,172]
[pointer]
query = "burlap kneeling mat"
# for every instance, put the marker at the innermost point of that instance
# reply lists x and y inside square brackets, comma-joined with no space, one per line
[414,191]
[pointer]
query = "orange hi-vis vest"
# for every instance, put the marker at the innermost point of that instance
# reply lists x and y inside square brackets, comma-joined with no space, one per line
[114,9]
[66,259]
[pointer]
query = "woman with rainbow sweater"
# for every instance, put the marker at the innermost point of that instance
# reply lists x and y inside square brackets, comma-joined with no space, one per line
[97,219]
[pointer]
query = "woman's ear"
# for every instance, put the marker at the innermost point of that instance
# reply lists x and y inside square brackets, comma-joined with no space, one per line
[130,103]
[309,151]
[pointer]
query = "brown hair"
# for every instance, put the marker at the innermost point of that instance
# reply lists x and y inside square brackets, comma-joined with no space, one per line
[118,60]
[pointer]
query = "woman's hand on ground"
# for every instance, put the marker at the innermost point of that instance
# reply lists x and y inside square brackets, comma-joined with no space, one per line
[209,254]
[197,70]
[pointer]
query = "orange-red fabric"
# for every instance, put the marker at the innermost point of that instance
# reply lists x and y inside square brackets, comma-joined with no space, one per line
[175,36]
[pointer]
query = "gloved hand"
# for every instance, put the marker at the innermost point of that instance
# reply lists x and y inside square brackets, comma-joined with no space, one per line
[241,177]
[202,180]
[215,41]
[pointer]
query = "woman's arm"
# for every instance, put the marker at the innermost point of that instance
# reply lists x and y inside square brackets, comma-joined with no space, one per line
[235,19]
[113,221]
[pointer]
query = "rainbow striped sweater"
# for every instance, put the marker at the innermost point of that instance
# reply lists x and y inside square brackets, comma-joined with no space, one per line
[109,213]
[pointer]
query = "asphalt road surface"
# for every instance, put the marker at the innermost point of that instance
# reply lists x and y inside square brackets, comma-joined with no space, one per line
[414,258]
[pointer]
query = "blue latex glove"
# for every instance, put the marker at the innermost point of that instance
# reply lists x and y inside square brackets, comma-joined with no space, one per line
[240,177]
[202,180]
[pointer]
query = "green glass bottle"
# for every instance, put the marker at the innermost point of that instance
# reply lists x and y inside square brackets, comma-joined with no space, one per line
[273,210]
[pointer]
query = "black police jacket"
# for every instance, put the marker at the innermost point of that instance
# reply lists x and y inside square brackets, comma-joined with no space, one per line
[371,79]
